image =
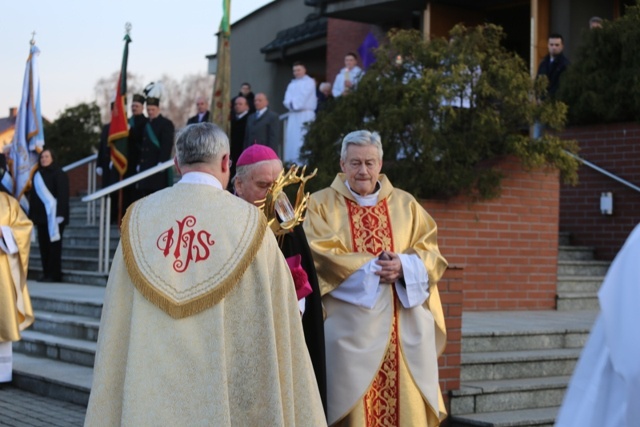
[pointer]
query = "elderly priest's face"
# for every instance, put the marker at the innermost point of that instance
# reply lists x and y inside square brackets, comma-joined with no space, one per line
[362,166]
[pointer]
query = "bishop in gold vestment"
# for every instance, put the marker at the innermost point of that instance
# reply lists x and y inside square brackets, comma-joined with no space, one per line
[16,313]
[200,325]
[378,265]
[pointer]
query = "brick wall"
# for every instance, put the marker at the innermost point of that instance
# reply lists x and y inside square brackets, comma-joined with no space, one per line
[78,181]
[615,148]
[508,247]
[342,37]
[450,288]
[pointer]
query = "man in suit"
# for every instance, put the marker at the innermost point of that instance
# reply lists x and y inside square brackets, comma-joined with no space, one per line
[203,112]
[157,143]
[238,128]
[263,126]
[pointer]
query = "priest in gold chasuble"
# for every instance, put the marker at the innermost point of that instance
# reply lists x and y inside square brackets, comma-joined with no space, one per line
[378,263]
[16,313]
[200,325]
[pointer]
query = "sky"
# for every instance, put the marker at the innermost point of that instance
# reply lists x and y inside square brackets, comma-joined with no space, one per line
[81,41]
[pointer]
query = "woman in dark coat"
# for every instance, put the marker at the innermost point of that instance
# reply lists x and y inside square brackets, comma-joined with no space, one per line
[49,211]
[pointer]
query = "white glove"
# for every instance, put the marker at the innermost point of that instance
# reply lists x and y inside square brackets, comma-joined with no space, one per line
[99,171]
[59,219]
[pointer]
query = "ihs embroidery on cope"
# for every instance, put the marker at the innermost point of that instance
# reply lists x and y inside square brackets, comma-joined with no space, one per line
[186,245]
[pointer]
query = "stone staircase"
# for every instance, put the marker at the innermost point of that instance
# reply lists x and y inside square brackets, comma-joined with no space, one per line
[515,366]
[79,249]
[55,356]
[579,276]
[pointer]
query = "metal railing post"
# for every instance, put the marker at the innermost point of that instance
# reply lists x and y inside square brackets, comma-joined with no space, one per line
[100,236]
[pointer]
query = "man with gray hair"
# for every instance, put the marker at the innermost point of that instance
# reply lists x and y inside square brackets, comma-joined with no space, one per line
[378,263]
[200,324]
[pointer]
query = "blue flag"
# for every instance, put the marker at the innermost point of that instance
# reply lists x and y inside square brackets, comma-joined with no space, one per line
[366,49]
[28,140]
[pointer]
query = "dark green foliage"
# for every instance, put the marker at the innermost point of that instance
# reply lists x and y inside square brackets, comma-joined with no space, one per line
[603,84]
[434,148]
[75,134]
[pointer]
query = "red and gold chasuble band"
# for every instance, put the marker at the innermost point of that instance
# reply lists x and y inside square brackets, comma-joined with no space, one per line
[371,232]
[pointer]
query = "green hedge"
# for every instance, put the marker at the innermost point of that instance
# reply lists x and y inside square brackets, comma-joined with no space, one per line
[433,148]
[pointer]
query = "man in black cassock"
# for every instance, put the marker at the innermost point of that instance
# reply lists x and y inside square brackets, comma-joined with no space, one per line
[157,143]
[257,169]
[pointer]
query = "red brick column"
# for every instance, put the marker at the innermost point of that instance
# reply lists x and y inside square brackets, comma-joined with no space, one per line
[615,148]
[507,246]
[451,295]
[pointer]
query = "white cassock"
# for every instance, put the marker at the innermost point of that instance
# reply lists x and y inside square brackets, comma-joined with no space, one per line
[355,74]
[605,387]
[301,101]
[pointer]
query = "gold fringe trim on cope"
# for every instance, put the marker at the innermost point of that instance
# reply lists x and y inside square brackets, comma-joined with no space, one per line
[197,304]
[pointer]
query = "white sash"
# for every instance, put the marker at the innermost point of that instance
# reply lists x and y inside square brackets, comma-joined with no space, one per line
[50,205]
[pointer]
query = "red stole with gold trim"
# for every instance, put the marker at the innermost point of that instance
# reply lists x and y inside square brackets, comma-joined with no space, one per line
[371,232]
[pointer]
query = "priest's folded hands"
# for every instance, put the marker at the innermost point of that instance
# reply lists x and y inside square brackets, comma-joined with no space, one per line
[391,267]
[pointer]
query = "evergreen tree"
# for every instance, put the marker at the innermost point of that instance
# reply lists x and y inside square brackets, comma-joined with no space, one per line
[444,109]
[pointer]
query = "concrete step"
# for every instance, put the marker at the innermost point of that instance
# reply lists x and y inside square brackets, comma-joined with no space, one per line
[83,230]
[67,298]
[70,350]
[70,262]
[574,301]
[579,283]
[582,268]
[538,417]
[508,395]
[518,364]
[52,378]
[581,253]
[72,276]
[66,325]
[533,340]
[85,251]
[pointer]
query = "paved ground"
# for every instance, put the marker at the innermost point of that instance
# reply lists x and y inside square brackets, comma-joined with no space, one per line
[19,408]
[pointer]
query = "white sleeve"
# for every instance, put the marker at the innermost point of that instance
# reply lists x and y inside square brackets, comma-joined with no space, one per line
[7,241]
[362,287]
[416,281]
[338,85]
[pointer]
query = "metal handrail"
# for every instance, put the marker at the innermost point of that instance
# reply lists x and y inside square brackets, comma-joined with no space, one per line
[128,181]
[104,241]
[604,172]
[80,162]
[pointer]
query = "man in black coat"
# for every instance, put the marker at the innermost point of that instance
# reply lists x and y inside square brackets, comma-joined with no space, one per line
[157,143]
[554,64]
[263,126]
[245,91]
[238,128]
[137,124]
[203,112]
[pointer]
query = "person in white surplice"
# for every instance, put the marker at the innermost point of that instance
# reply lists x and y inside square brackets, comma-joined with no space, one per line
[16,313]
[605,387]
[301,101]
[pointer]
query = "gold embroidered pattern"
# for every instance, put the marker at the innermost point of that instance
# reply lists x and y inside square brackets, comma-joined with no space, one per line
[381,402]
[370,227]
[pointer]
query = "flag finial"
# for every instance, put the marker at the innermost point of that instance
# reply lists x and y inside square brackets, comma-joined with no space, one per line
[127,27]
[33,38]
